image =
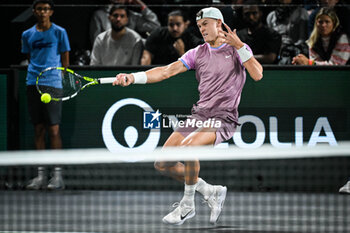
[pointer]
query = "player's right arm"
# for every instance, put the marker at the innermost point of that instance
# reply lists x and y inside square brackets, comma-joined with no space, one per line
[154,75]
[161,73]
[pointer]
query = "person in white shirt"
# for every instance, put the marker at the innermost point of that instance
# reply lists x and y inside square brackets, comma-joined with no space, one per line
[119,45]
[143,22]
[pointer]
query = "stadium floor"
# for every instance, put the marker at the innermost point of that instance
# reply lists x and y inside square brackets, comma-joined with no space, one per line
[138,211]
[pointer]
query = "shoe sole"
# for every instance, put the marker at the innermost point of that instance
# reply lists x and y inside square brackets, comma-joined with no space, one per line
[55,189]
[222,198]
[191,215]
[41,187]
[344,191]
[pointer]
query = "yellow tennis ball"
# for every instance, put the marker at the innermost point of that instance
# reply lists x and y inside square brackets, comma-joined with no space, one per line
[46,98]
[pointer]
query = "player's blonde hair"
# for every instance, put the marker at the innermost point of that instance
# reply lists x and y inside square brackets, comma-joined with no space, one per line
[315,34]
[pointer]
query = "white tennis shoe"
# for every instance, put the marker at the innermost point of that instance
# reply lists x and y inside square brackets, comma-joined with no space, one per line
[345,188]
[179,215]
[216,202]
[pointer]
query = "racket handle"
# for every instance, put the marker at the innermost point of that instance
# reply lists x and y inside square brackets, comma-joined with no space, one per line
[107,80]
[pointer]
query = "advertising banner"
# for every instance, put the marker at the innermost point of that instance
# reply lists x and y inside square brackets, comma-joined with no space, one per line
[287,108]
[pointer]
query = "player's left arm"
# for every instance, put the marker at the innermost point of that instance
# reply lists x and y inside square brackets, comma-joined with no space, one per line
[253,67]
[65,59]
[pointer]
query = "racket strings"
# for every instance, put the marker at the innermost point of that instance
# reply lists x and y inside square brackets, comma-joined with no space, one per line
[56,93]
[68,84]
[71,84]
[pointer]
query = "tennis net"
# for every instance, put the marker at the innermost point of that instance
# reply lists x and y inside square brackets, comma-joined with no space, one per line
[269,190]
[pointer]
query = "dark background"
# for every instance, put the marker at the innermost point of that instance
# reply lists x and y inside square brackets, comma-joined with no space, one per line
[74,16]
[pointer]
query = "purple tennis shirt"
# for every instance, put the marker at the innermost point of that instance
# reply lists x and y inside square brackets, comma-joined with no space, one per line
[221,76]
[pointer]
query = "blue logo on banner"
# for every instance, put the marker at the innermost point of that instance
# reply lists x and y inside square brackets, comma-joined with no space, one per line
[151,120]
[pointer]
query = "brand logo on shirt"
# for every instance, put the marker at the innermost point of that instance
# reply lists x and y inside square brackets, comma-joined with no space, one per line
[228,56]
[39,44]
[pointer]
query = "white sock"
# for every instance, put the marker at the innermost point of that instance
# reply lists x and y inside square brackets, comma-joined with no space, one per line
[204,188]
[190,191]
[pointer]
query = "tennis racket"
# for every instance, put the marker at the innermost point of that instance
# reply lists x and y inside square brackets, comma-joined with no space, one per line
[70,83]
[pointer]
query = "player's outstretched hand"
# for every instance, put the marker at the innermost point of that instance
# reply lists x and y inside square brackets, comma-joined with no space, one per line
[230,37]
[123,80]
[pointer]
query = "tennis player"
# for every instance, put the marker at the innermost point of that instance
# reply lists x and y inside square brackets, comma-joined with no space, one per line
[220,65]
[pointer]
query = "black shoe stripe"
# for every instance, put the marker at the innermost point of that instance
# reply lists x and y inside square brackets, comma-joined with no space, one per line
[182,217]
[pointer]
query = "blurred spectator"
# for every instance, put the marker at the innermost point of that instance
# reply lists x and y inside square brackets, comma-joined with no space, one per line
[201,2]
[167,44]
[81,57]
[328,44]
[119,45]
[310,5]
[290,21]
[264,41]
[266,6]
[143,23]
[232,13]
[342,11]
